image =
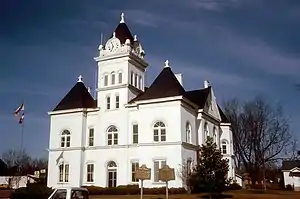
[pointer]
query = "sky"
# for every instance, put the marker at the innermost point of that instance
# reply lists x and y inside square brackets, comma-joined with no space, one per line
[243,47]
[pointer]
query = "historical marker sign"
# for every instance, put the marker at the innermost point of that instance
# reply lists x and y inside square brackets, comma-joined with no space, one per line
[166,173]
[143,173]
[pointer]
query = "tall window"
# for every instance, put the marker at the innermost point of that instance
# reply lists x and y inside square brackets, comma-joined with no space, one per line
[137,81]
[224,146]
[113,78]
[134,167]
[120,78]
[112,174]
[159,132]
[131,77]
[105,80]
[64,172]
[215,134]
[65,139]
[188,129]
[117,101]
[141,82]
[158,164]
[112,135]
[189,167]
[90,173]
[135,134]
[206,132]
[107,102]
[91,137]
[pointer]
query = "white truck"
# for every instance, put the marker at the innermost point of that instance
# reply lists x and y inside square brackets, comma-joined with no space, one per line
[69,193]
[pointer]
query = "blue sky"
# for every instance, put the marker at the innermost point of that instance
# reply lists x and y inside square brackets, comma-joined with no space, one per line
[243,47]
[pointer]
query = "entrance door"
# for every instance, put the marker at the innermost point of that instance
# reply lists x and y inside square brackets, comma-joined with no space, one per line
[112,178]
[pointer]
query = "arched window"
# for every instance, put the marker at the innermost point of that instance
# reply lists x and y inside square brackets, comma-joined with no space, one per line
[112,135]
[224,146]
[206,132]
[107,102]
[215,134]
[113,78]
[159,132]
[105,80]
[65,139]
[188,131]
[111,174]
[120,77]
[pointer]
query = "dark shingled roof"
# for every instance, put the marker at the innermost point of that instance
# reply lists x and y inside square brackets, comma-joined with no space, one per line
[165,85]
[224,119]
[198,97]
[122,33]
[290,164]
[77,97]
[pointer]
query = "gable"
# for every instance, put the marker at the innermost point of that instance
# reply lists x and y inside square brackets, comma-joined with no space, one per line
[211,106]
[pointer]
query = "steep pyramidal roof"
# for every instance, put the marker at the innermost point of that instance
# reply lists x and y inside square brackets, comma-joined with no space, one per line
[165,85]
[77,97]
[122,33]
[198,97]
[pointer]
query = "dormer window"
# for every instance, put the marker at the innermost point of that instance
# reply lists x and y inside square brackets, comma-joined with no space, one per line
[113,78]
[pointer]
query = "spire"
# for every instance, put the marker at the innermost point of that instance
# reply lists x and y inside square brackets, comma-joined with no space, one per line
[122,18]
[80,78]
[167,64]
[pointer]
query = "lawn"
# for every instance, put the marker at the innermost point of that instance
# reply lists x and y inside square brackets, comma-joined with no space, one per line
[233,194]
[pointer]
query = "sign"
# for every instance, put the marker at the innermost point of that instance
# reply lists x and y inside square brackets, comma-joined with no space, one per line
[143,173]
[166,173]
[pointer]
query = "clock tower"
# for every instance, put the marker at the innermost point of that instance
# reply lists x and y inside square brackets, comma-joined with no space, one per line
[121,69]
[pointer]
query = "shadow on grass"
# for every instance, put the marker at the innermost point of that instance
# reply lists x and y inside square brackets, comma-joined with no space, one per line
[216,196]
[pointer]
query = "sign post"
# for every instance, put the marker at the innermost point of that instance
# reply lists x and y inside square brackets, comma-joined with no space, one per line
[166,174]
[143,173]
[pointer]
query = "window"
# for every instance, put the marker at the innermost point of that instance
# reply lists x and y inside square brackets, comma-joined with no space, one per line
[90,173]
[105,80]
[112,135]
[60,194]
[64,173]
[188,129]
[112,174]
[189,167]
[108,103]
[132,78]
[141,83]
[134,167]
[65,139]
[120,78]
[158,164]
[224,146]
[135,134]
[137,81]
[113,78]
[117,101]
[215,134]
[206,132]
[91,137]
[159,132]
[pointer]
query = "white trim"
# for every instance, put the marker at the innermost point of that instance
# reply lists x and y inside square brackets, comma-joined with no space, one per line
[76,110]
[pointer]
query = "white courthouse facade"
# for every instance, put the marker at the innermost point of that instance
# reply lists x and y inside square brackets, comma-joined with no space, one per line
[102,141]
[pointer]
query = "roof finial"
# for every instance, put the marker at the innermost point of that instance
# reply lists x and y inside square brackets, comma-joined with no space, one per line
[80,78]
[134,38]
[114,35]
[122,18]
[167,64]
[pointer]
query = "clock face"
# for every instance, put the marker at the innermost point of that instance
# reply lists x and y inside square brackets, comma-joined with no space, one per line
[112,45]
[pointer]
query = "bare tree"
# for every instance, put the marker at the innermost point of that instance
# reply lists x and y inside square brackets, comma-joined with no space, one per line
[184,174]
[260,134]
[17,161]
